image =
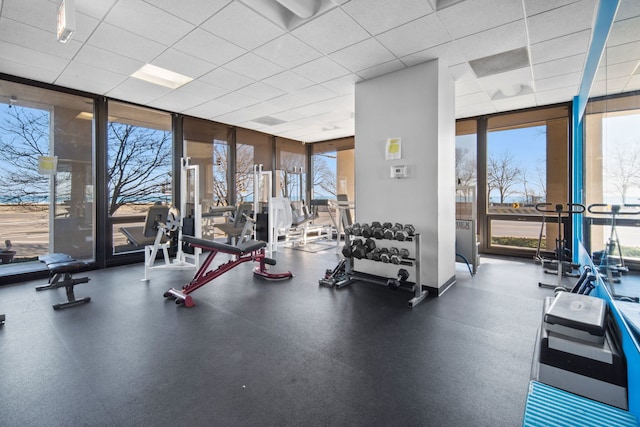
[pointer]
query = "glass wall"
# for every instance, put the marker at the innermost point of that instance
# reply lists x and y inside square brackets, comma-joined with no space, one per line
[139,162]
[612,173]
[252,148]
[208,145]
[46,175]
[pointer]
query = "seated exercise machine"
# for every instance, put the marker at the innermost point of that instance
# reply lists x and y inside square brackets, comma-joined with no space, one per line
[611,263]
[61,268]
[244,251]
[563,264]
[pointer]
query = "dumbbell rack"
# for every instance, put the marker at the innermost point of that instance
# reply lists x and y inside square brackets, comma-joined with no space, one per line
[354,276]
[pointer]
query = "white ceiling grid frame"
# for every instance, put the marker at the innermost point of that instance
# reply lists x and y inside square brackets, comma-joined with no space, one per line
[253,66]
[102,80]
[104,59]
[122,42]
[561,21]
[476,16]
[226,79]
[242,26]
[182,63]
[287,51]
[420,34]
[330,32]
[158,25]
[321,70]
[374,16]
[209,47]
[288,81]
[188,96]
[193,11]
[362,55]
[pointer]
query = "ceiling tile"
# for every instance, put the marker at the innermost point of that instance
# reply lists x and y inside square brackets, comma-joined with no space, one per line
[622,69]
[253,66]
[556,95]
[21,34]
[288,81]
[288,101]
[565,80]
[475,16]
[21,61]
[226,79]
[93,79]
[158,25]
[193,11]
[633,84]
[238,100]
[342,85]
[95,9]
[41,15]
[379,70]
[117,40]
[446,52]
[628,9]
[561,21]
[418,35]
[377,16]
[360,56]
[314,93]
[209,47]
[321,70]
[466,87]
[472,99]
[561,47]
[515,103]
[496,40]
[475,110]
[261,91]
[242,26]
[534,7]
[624,31]
[209,109]
[622,53]
[182,63]
[507,83]
[138,91]
[287,51]
[461,72]
[331,32]
[100,58]
[188,96]
[558,67]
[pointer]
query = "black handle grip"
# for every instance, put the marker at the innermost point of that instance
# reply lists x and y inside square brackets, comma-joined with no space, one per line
[605,209]
[571,208]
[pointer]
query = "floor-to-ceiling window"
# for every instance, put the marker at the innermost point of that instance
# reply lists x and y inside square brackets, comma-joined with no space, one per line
[252,148]
[208,145]
[139,164]
[46,175]
[612,173]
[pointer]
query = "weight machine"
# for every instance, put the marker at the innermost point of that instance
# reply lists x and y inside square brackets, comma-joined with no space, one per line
[611,264]
[564,266]
[165,222]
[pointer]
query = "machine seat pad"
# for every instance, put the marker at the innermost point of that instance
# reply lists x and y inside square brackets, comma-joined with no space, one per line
[210,245]
[67,267]
[55,258]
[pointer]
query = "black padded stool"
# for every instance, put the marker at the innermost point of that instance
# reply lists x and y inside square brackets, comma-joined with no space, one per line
[61,268]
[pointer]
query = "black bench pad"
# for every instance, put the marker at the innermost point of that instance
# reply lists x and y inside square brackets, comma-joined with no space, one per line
[241,248]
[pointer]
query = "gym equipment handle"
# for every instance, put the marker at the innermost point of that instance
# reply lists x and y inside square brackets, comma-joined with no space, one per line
[572,208]
[611,209]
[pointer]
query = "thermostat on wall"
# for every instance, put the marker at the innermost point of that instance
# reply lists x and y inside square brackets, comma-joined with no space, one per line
[398,171]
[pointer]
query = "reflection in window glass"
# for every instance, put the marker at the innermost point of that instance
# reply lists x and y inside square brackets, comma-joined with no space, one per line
[244,173]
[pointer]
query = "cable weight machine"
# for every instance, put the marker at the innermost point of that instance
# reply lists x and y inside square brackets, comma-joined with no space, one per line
[563,262]
[611,264]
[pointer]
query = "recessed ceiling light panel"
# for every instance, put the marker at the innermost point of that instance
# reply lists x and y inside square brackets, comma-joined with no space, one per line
[161,76]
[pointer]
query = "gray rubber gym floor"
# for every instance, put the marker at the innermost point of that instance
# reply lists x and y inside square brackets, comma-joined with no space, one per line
[256,353]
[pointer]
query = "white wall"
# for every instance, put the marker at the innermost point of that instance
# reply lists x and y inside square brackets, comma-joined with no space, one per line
[417,105]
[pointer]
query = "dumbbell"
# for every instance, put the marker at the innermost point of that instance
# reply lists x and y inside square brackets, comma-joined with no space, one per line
[375,254]
[346,251]
[370,244]
[385,255]
[400,278]
[405,232]
[378,233]
[398,254]
[355,230]
[366,230]
[390,232]
[375,227]
[358,249]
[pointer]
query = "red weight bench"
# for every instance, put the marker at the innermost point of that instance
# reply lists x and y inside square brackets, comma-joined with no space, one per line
[61,268]
[251,250]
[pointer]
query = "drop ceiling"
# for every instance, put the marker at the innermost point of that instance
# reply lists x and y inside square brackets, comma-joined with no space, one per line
[266,68]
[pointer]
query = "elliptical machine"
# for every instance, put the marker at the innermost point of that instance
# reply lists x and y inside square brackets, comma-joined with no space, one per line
[611,263]
[564,266]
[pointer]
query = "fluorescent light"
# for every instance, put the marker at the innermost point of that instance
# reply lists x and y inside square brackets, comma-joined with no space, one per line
[161,76]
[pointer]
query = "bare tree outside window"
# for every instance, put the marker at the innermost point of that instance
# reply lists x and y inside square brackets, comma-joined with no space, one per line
[139,164]
[622,168]
[25,137]
[503,174]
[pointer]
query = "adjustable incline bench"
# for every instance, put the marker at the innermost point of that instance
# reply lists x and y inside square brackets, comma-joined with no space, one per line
[250,250]
[61,268]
